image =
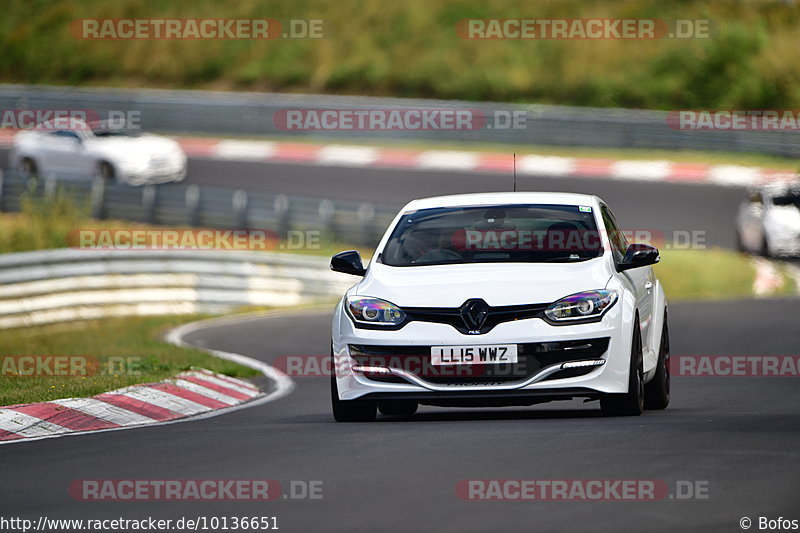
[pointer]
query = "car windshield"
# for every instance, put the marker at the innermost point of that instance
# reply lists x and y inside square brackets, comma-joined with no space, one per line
[789,198]
[109,128]
[494,234]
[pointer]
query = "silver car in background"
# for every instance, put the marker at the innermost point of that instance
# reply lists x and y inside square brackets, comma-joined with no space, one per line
[112,151]
[768,222]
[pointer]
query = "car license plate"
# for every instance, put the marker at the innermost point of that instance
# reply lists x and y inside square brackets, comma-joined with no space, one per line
[474,355]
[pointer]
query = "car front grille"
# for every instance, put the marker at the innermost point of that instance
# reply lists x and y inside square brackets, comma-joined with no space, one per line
[532,357]
[454,315]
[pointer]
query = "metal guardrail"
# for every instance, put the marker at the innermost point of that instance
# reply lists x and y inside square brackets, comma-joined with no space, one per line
[60,285]
[252,114]
[211,207]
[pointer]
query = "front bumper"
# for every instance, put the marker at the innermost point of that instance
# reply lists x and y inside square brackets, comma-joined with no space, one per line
[154,175]
[607,374]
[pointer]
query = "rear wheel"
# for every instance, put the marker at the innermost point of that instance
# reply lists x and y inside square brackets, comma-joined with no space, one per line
[630,403]
[398,407]
[28,168]
[656,393]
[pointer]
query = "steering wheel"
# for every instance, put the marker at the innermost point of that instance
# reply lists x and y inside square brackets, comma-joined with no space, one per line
[439,254]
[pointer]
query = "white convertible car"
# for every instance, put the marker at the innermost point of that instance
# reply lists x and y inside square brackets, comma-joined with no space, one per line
[768,222]
[73,149]
[501,299]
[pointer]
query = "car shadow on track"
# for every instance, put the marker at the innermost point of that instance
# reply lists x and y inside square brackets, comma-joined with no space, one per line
[517,414]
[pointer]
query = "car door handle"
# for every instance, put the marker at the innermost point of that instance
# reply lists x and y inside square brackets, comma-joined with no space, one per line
[648,285]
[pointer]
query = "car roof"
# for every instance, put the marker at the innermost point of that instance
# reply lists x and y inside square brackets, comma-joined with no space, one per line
[503,198]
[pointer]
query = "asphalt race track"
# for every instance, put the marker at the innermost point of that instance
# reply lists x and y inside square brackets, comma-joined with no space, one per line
[664,207]
[741,436]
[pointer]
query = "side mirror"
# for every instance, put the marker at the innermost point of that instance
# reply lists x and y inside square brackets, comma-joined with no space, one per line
[349,263]
[638,255]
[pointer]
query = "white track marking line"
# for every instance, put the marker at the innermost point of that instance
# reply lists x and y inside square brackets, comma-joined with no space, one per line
[105,411]
[205,391]
[641,170]
[221,382]
[28,426]
[546,165]
[447,160]
[734,175]
[340,154]
[767,278]
[164,400]
[244,150]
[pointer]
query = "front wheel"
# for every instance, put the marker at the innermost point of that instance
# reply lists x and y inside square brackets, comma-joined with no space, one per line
[630,403]
[351,410]
[656,393]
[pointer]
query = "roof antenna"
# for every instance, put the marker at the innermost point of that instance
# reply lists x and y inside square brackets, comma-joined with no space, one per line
[515,172]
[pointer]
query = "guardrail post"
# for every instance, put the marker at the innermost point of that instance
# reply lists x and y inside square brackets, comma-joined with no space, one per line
[98,198]
[192,199]
[50,184]
[366,219]
[149,202]
[327,215]
[283,212]
[240,202]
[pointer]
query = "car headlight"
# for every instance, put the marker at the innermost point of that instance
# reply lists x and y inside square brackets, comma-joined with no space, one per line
[374,312]
[587,305]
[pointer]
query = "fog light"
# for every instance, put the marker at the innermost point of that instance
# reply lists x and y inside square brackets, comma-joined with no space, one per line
[365,369]
[582,364]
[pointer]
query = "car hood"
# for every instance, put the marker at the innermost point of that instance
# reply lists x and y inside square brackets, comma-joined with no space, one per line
[144,145]
[496,283]
[785,215]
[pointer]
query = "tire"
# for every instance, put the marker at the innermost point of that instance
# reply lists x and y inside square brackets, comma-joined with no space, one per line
[350,410]
[398,407]
[28,168]
[630,403]
[764,250]
[739,243]
[656,393]
[105,171]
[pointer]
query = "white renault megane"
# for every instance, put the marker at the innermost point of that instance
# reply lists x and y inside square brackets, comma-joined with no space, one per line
[501,299]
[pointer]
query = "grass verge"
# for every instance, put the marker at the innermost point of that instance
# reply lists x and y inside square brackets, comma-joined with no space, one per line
[747,60]
[713,274]
[127,350]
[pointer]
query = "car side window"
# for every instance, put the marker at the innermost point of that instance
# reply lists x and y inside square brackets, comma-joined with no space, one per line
[66,134]
[618,241]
